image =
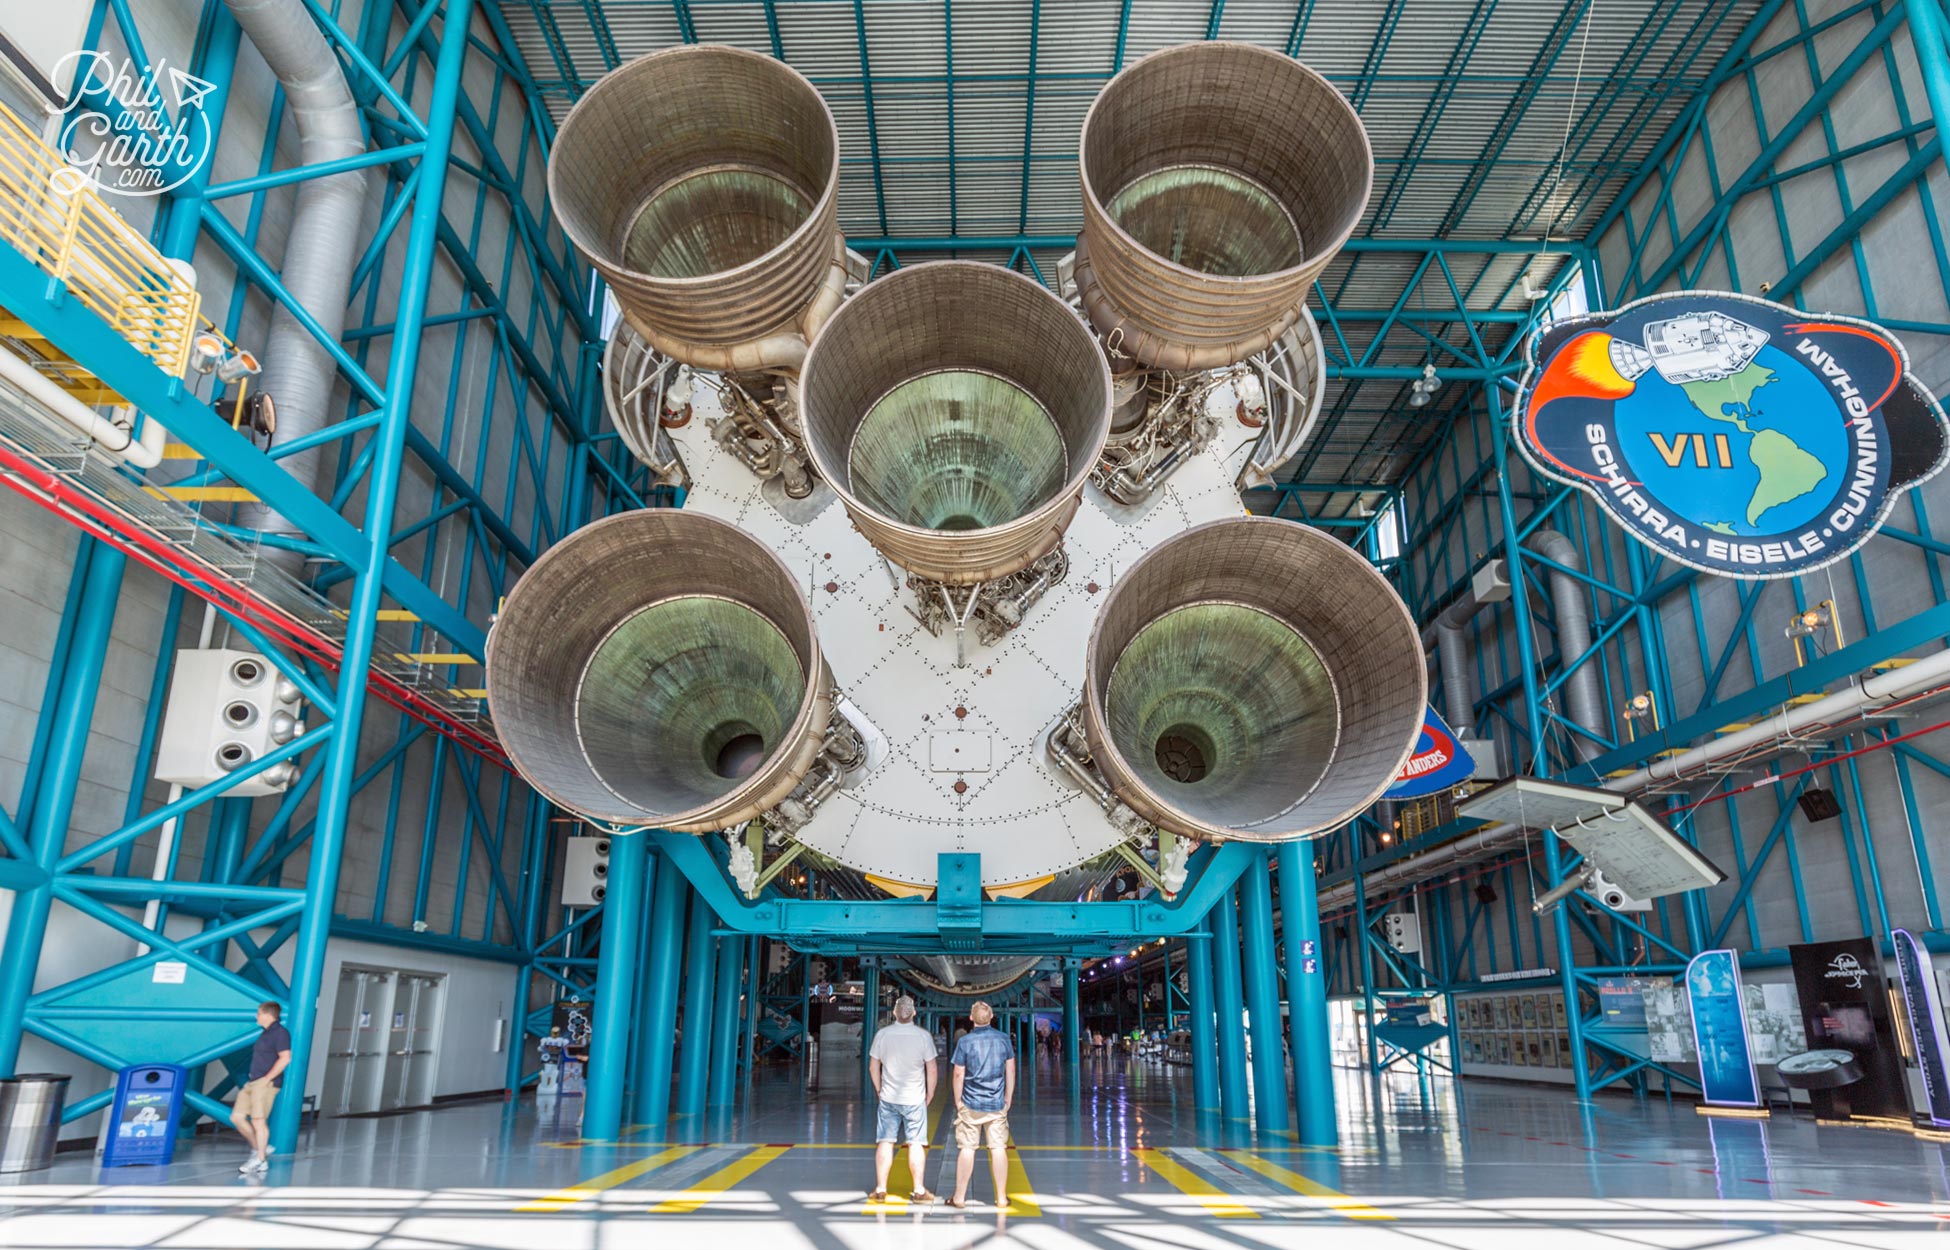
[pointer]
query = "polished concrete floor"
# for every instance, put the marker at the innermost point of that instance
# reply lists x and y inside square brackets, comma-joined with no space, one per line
[1127,1167]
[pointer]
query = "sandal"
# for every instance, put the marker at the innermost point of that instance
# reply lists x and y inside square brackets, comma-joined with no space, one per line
[923,1196]
[959,1204]
[877,1196]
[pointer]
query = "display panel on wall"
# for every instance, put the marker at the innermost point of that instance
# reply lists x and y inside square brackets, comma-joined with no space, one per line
[1515,1030]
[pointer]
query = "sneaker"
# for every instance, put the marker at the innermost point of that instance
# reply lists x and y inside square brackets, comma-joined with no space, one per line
[252,1164]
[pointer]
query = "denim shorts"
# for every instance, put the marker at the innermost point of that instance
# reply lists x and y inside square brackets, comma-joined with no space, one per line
[893,1118]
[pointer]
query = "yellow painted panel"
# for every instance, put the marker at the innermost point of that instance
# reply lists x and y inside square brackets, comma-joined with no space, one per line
[1353,1208]
[582,1191]
[718,1182]
[1220,1203]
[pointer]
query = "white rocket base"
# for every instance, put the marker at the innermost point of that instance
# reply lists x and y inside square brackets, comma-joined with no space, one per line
[981,726]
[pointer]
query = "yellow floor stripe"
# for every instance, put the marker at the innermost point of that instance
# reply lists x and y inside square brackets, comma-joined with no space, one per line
[1210,1196]
[581,1191]
[1352,1208]
[1022,1195]
[718,1182]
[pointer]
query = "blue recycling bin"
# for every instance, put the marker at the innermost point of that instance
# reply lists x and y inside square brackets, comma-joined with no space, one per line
[142,1118]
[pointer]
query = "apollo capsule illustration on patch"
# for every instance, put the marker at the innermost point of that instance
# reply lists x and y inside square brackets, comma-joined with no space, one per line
[1729,433]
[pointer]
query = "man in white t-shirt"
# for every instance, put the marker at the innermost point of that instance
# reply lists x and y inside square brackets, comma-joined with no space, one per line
[902,1066]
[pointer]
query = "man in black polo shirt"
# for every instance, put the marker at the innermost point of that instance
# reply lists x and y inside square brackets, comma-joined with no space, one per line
[270,1055]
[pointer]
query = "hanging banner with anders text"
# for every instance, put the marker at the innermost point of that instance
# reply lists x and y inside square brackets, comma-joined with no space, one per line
[1732,434]
[1438,763]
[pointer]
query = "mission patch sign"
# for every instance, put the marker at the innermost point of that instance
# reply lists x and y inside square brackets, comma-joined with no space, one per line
[1729,433]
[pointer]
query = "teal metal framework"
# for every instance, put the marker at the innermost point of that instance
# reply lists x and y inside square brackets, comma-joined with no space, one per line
[1466,501]
[1457,307]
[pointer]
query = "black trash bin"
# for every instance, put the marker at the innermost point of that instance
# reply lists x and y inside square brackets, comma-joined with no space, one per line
[30,1119]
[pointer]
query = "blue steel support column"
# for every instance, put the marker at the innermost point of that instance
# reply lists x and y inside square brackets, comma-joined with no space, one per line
[382,493]
[1231,1006]
[630,875]
[1929,28]
[47,832]
[657,1012]
[1306,997]
[534,868]
[1205,1037]
[724,1029]
[1515,553]
[693,1070]
[869,1019]
[1072,1030]
[1263,997]
[754,992]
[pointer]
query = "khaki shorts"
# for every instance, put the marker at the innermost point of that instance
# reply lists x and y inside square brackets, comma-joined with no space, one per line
[971,1127]
[255,1099]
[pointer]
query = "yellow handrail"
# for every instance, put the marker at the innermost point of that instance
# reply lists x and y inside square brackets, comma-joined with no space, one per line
[51,213]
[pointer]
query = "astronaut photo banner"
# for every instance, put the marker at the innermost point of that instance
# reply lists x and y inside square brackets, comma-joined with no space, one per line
[1728,433]
[1719,1011]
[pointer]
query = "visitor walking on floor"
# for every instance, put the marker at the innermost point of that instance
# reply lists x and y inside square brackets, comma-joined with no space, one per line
[251,1114]
[985,1084]
[904,1073]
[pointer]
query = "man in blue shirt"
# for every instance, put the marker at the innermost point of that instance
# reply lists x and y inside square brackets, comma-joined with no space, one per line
[270,1055]
[985,1085]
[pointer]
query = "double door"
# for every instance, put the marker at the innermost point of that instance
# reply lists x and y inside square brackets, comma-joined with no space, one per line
[384,1048]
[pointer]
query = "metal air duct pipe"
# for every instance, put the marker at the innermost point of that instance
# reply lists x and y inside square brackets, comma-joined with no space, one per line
[1252,678]
[957,410]
[318,249]
[702,182]
[660,668]
[1584,698]
[1219,179]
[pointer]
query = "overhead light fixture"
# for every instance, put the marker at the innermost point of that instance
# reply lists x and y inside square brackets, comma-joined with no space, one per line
[237,366]
[206,352]
[256,413]
[1423,389]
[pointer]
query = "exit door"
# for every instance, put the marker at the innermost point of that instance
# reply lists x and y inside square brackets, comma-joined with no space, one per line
[413,1040]
[356,1058]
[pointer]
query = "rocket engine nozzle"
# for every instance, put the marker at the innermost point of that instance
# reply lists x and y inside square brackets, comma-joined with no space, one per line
[957,409]
[1252,678]
[1219,179]
[659,668]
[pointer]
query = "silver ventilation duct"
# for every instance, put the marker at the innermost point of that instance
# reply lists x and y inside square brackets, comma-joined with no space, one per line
[1252,678]
[957,410]
[1219,179]
[318,250]
[703,183]
[659,668]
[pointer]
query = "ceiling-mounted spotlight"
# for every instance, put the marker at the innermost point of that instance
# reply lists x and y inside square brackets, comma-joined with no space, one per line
[237,366]
[1423,389]
[206,352]
[259,413]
